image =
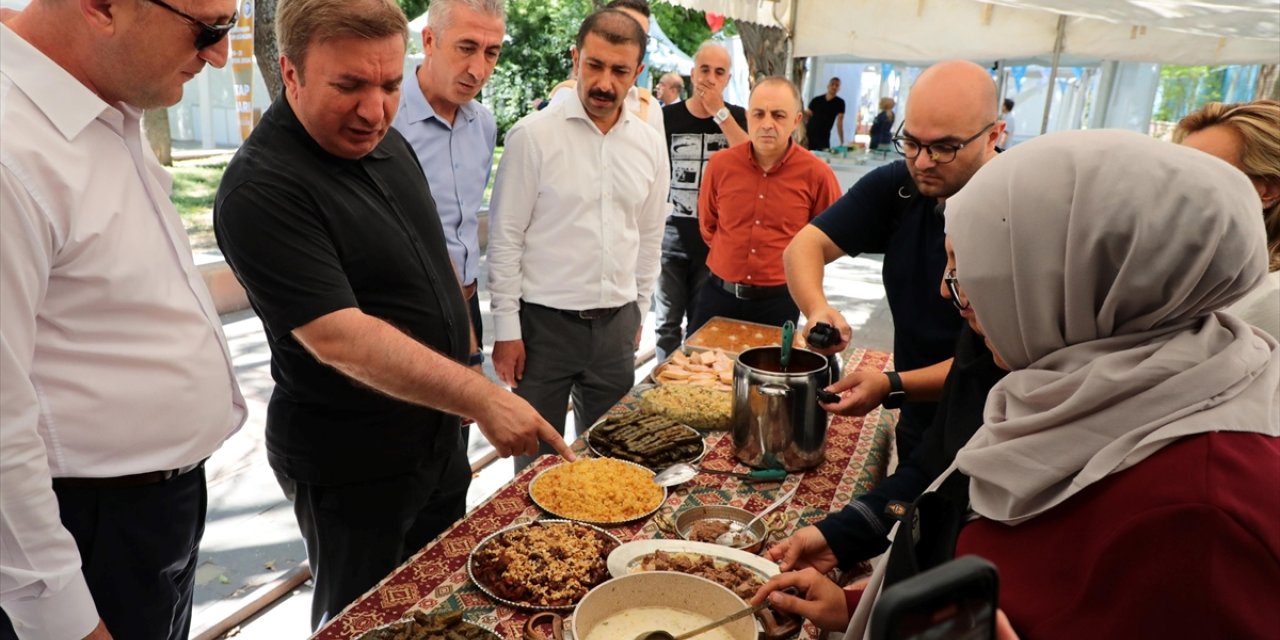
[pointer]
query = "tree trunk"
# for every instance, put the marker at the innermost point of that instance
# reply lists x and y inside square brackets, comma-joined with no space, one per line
[765,49]
[155,123]
[799,74]
[264,46]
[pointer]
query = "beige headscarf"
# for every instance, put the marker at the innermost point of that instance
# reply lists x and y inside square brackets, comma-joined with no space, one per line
[1096,261]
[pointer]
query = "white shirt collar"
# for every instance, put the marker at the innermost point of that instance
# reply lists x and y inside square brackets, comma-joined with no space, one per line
[68,103]
[575,109]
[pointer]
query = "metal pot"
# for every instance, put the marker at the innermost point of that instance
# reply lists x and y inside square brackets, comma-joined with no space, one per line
[776,419]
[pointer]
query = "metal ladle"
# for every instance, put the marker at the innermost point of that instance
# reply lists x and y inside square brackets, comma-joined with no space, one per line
[682,472]
[733,537]
[741,613]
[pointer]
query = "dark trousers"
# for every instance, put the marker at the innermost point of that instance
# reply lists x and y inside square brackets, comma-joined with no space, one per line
[714,301]
[673,299]
[356,534]
[138,548]
[591,362]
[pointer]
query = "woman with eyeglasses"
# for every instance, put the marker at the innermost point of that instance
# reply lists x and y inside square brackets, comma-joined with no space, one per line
[1247,136]
[1124,478]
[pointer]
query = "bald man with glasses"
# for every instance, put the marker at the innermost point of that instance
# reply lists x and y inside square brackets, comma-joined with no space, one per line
[115,379]
[949,132]
[895,210]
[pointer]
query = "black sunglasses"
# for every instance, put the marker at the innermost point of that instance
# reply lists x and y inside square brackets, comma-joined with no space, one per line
[208,34]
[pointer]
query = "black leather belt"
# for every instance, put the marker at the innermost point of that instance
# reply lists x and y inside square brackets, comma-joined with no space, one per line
[582,314]
[748,291]
[125,482]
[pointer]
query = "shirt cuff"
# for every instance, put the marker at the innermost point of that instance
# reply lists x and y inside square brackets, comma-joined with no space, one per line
[506,327]
[69,613]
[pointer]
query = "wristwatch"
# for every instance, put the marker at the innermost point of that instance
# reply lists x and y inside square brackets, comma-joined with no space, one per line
[721,115]
[476,358]
[896,395]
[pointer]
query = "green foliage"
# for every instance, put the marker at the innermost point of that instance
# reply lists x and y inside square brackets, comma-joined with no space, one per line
[1184,89]
[687,28]
[194,186]
[195,183]
[535,58]
[413,8]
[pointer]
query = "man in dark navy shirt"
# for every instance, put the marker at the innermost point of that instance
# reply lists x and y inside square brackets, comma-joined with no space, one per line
[324,217]
[892,210]
[949,132]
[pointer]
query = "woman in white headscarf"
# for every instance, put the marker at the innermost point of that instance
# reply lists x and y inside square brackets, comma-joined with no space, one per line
[1125,479]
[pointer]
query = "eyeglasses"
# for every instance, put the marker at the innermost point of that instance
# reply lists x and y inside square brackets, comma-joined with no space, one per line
[208,34]
[953,285]
[939,152]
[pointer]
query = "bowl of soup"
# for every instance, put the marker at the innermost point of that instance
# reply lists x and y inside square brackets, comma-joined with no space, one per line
[624,608]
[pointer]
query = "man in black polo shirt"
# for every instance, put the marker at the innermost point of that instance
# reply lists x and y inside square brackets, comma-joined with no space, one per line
[325,218]
[949,132]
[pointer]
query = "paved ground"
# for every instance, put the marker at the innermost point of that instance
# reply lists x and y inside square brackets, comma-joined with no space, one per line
[251,538]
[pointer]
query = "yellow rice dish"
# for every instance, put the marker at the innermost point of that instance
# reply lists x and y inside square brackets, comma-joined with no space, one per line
[597,490]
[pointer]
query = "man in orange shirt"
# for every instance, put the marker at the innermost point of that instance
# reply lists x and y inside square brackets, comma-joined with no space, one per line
[755,197]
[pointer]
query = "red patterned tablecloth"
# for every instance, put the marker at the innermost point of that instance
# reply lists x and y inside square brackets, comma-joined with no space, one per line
[436,578]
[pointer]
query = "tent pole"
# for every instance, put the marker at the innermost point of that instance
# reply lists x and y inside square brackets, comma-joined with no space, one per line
[1001,72]
[791,42]
[1053,72]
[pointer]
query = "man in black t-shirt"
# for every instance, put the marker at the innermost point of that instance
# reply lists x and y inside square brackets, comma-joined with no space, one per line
[824,112]
[325,219]
[696,128]
[949,132]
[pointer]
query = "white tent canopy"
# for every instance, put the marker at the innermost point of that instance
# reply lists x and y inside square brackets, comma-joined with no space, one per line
[1166,31]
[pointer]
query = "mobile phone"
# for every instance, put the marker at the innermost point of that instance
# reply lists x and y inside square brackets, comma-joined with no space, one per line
[953,601]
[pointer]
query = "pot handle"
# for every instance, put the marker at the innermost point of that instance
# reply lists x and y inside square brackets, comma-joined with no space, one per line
[666,524]
[773,390]
[532,632]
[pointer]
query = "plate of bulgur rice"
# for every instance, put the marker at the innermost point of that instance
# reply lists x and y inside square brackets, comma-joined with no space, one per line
[597,490]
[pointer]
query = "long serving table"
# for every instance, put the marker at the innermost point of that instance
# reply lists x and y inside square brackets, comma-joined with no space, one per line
[435,580]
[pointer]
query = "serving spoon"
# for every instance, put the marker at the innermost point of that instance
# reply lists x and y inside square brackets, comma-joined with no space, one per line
[734,537]
[682,472]
[664,635]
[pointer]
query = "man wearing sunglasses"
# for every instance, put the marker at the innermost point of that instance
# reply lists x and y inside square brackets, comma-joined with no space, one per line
[115,379]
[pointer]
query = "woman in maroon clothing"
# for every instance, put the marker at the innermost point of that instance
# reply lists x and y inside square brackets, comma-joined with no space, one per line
[1125,478]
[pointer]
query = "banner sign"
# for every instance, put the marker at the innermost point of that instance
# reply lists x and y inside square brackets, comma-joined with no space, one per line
[242,67]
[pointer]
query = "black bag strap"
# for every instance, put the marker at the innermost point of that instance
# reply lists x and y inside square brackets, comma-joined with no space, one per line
[928,529]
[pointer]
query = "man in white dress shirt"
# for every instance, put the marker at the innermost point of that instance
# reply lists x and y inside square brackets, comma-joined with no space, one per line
[578,209]
[115,380]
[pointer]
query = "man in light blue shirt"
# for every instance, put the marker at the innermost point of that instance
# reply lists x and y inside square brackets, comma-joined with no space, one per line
[452,134]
